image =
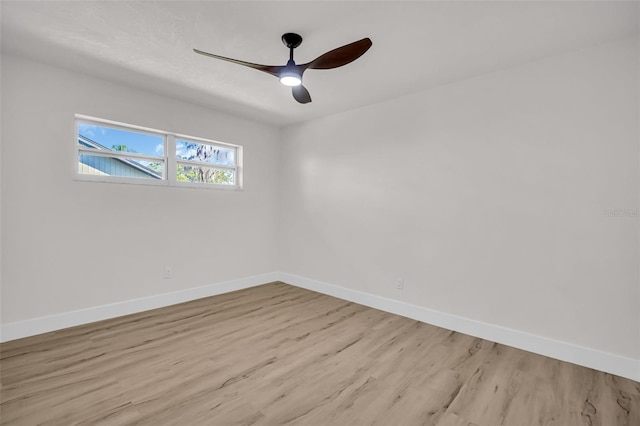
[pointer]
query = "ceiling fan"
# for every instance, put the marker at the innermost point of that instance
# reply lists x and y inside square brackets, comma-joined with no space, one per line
[291,74]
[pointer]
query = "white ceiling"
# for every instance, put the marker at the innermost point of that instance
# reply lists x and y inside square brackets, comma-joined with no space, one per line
[416,45]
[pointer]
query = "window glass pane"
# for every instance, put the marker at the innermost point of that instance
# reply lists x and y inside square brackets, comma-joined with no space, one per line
[205,175]
[205,153]
[102,137]
[123,167]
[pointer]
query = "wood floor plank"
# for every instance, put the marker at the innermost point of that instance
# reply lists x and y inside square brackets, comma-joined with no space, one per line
[280,355]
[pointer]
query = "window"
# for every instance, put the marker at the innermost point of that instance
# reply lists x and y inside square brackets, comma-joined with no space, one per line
[205,162]
[115,152]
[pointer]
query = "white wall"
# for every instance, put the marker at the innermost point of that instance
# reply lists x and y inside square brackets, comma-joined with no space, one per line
[1,191]
[487,196]
[69,245]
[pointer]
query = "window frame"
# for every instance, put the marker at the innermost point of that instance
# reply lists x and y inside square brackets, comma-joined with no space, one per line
[169,159]
[236,169]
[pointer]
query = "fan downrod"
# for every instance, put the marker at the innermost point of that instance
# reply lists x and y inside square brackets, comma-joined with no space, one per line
[291,40]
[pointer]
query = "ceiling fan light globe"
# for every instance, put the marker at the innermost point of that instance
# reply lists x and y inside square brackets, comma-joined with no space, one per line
[291,80]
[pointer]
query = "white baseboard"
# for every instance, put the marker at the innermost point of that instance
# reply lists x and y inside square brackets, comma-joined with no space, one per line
[586,357]
[17,330]
[591,358]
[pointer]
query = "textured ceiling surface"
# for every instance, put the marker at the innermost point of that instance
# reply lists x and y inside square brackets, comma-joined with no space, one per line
[416,45]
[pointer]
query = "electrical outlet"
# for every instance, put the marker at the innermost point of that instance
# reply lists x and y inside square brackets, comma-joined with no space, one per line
[399,283]
[168,273]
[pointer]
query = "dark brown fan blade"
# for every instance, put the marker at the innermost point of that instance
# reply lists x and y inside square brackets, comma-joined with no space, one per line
[340,56]
[269,69]
[301,94]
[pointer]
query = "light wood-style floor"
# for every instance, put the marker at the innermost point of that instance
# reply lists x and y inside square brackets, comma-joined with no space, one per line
[276,355]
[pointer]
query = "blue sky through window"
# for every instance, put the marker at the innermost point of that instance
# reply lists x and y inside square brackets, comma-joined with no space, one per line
[142,143]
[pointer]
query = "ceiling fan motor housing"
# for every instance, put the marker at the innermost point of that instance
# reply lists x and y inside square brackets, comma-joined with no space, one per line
[291,40]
